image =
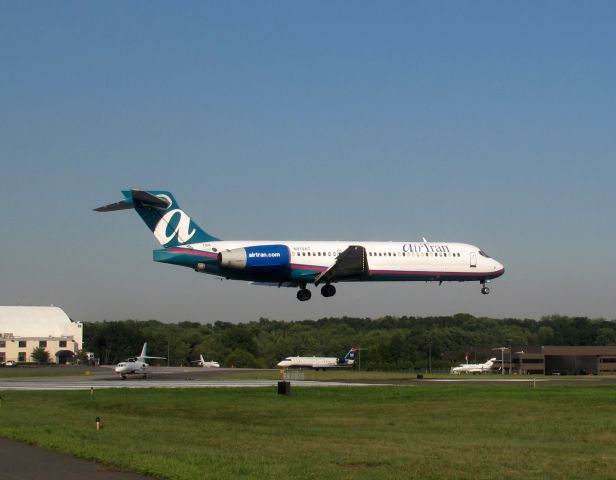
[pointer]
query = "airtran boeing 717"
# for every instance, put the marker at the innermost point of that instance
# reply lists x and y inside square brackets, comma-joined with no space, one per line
[299,263]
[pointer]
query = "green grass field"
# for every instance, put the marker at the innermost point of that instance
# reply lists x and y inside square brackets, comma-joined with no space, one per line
[445,431]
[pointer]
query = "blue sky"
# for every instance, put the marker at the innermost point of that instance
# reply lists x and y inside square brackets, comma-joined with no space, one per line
[480,122]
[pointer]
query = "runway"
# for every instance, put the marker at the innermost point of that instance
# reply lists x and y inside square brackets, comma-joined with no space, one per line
[72,384]
[161,377]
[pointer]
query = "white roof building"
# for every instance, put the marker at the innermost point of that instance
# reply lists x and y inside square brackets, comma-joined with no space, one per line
[23,328]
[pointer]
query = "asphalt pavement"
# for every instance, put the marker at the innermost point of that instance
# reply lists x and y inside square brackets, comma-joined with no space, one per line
[27,462]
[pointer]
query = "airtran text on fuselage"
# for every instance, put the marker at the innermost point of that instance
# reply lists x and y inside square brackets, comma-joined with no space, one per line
[264,255]
[425,248]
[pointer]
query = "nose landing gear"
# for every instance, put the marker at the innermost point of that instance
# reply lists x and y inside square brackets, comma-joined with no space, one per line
[484,289]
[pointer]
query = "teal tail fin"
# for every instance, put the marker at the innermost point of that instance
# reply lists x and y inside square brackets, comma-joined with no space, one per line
[169,223]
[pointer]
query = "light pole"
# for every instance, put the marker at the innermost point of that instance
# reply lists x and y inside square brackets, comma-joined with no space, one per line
[429,355]
[502,349]
[521,354]
[509,356]
[359,350]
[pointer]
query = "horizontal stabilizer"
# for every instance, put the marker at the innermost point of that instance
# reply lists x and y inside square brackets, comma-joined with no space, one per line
[148,200]
[122,205]
[145,199]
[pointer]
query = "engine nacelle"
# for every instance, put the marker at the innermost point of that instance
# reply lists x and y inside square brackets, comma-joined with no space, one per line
[256,258]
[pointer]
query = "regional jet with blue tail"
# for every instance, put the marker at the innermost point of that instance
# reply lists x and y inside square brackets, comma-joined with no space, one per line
[320,362]
[299,264]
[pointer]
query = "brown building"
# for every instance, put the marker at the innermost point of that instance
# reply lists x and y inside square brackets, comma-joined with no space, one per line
[553,359]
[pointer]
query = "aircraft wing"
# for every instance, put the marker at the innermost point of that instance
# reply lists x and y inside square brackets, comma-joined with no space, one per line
[351,263]
[275,284]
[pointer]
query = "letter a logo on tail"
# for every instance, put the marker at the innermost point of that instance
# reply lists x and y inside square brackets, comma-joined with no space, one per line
[170,224]
[181,229]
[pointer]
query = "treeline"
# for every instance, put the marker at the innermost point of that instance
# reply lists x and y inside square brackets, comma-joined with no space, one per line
[386,343]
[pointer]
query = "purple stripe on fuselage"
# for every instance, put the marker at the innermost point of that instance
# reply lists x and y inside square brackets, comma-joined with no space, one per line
[421,273]
[316,268]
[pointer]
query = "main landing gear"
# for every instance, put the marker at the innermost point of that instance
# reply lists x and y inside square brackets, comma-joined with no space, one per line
[327,290]
[303,294]
[485,290]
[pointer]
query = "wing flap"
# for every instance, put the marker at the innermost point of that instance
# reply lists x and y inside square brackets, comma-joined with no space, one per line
[351,263]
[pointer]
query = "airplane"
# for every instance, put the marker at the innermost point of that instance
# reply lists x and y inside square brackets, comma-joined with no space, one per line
[319,362]
[473,367]
[135,365]
[298,264]
[202,363]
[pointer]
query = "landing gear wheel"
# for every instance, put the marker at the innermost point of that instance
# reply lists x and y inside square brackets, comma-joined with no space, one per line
[485,290]
[303,295]
[328,290]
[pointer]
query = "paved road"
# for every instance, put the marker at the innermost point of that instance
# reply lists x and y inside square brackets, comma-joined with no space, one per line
[27,462]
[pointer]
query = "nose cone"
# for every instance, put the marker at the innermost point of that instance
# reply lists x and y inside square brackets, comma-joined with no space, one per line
[498,267]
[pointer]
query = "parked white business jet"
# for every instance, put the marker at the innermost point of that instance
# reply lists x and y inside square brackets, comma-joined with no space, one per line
[300,263]
[319,362]
[202,363]
[135,365]
[474,367]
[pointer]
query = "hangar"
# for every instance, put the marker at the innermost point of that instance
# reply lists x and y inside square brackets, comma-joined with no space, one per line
[553,359]
[565,360]
[22,329]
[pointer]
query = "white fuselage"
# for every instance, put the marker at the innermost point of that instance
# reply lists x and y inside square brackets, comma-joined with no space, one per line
[130,367]
[209,364]
[405,261]
[313,362]
[473,367]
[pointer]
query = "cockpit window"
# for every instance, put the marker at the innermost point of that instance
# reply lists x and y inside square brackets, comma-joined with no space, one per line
[483,254]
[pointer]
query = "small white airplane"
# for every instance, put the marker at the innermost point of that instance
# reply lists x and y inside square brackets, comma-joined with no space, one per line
[473,367]
[136,365]
[297,264]
[202,363]
[319,362]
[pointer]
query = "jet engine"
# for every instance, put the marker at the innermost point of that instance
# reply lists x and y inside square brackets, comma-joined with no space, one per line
[260,258]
